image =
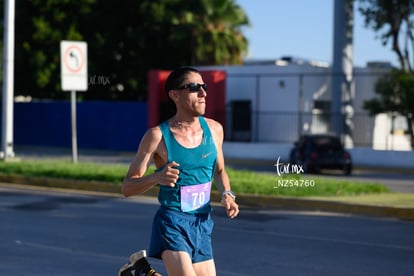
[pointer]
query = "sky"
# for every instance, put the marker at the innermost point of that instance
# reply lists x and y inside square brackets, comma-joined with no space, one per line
[304,29]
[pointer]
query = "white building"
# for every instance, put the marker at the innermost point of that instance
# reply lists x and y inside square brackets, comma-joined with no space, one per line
[276,101]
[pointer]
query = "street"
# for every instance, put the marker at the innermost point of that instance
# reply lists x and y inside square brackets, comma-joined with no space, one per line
[60,233]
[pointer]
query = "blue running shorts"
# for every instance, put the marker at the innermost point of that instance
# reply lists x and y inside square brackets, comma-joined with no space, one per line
[178,231]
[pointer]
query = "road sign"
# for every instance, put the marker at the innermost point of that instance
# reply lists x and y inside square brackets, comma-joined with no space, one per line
[74,75]
[74,65]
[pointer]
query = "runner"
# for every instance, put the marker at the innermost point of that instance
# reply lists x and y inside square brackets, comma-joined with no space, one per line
[187,151]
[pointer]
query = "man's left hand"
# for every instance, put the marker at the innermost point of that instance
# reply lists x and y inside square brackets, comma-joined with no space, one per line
[231,206]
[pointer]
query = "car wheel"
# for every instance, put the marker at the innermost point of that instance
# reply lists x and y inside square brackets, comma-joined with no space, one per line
[292,156]
[348,169]
[314,169]
[309,168]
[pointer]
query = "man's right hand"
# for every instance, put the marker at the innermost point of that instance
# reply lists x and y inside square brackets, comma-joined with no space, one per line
[168,176]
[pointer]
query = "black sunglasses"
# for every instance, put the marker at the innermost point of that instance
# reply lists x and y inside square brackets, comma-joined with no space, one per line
[193,87]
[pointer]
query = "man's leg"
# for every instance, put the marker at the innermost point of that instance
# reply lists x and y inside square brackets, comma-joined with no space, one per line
[206,268]
[178,263]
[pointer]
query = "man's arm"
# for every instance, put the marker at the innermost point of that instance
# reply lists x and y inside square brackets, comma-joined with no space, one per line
[135,182]
[221,177]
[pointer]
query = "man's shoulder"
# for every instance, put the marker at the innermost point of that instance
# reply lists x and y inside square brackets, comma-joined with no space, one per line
[214,125]
[153,133]
[212,121]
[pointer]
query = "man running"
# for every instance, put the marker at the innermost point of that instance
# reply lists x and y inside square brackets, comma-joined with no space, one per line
[187,151]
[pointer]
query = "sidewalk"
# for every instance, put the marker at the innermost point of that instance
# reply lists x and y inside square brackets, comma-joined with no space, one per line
[286,203]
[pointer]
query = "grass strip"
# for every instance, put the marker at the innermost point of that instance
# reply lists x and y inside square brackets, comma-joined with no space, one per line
[300,185]
[66,169]
[242,181]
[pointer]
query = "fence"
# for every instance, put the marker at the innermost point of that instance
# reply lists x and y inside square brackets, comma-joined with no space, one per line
[101,125]
[377,132]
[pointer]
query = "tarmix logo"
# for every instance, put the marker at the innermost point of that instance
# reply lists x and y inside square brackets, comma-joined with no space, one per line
[282,168]
[286,169]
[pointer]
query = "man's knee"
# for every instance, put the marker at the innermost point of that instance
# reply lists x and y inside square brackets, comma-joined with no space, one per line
[207,268]
[178,263]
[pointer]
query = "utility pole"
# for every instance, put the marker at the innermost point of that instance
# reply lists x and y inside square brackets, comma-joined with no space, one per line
[8,82]
[343,86]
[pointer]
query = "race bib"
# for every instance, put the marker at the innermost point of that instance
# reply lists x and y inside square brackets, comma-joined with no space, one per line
[195,196]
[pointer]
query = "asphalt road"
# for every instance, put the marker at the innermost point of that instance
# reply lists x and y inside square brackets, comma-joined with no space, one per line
[56,233]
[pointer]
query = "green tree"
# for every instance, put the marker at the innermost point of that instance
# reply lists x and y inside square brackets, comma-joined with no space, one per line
[125,40]
[214,29]
[39,27]
[392,20]
[395,93]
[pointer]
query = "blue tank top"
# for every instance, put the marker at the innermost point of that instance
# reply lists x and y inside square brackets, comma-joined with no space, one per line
[197,166]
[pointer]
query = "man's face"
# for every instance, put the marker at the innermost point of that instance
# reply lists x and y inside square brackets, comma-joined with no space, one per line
[192,102]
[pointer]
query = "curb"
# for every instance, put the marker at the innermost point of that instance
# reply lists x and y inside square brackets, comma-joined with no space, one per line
[281,203]
[303,204]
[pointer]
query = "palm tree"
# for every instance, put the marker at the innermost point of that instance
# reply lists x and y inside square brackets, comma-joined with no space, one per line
[213,31]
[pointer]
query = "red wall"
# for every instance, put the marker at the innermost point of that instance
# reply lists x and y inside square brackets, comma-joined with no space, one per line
[216,95]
